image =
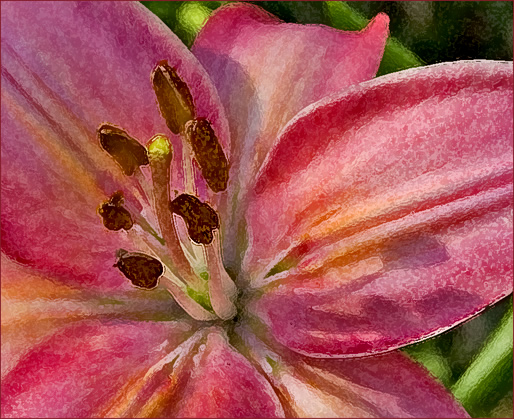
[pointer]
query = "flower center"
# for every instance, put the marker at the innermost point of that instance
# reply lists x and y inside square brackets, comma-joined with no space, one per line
[179,243]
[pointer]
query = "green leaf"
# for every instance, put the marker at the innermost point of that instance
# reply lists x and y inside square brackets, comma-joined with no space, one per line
[344,17]
[397,57]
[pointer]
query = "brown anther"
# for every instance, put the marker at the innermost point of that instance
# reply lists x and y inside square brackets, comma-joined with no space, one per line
[117,198]
[208,153]
[173,95]
[115,217]
[142,270]
[200,218]
[124,149]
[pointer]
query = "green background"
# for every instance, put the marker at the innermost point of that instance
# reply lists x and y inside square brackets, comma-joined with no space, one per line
[474,360]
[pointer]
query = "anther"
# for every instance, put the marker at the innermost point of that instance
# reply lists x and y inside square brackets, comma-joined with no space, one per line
[142,270]
[115,217]
[208,153]
[200,218]
[124,149]
[173,95]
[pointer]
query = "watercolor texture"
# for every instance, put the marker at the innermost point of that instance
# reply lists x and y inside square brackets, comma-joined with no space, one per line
[256,224]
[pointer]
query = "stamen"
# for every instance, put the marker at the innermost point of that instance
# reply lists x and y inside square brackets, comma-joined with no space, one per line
[200,218]
[143,186]
[145,225]
[193,252]
[117,199]
[187,162]
[115,217]
[173,95]
[124,149]
[142,270]
[208,153]
[160,154]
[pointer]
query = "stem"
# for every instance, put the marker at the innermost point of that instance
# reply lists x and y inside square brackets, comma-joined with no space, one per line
[145,225]
[476,385]
[187,156]
[143,222]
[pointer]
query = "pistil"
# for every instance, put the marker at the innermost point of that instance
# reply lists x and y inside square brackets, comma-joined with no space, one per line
[160,156]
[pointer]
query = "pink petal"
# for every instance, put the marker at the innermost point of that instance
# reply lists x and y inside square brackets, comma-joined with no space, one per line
[392,384]
[34,307]
[67,68]
[400,144]
[266,71]
[402,239]
[49,216]
[225,384]
[81,370]
[381,386]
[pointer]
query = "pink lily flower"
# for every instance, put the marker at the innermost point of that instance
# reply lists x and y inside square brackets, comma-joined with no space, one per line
[359,215]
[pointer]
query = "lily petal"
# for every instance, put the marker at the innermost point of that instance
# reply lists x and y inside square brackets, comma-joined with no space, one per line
[399,144]
[203,377]
[405,227]
[81,65]
[278,69]
[34,307]
[225,384]
[365,387]
[78,371]
[49,216]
